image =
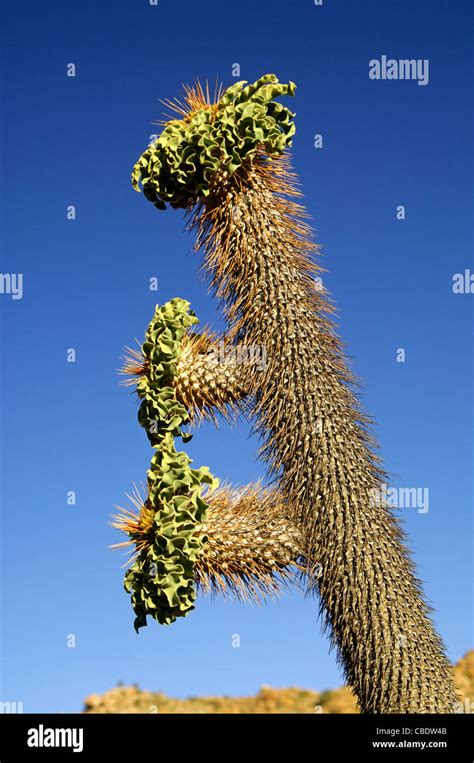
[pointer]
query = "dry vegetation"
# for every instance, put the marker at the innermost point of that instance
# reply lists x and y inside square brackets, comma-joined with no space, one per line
[131,699]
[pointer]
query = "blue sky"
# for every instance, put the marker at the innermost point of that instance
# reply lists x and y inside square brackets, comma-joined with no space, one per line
[68,426]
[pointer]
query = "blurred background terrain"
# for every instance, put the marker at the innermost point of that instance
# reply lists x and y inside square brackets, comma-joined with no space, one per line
[132,699]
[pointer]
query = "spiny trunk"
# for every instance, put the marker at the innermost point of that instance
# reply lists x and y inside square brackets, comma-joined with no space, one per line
[317,443]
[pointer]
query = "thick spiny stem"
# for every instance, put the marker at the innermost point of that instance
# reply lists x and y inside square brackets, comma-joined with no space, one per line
[252,547]
[210,378]
[316,441]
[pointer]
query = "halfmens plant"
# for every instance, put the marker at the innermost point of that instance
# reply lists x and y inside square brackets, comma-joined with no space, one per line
[225,162]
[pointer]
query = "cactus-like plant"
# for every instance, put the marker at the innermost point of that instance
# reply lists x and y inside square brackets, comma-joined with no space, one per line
[225,162]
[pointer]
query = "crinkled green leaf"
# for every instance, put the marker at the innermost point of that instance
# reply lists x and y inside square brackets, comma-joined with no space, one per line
[161,579]
[180,164]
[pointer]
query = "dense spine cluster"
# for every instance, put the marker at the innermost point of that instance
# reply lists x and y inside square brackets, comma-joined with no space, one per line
[253,546]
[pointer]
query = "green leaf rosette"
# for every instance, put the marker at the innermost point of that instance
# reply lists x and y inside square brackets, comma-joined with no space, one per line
[180,165]
[161,579]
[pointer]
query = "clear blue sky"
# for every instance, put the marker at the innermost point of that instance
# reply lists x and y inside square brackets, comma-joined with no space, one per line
[68,426]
